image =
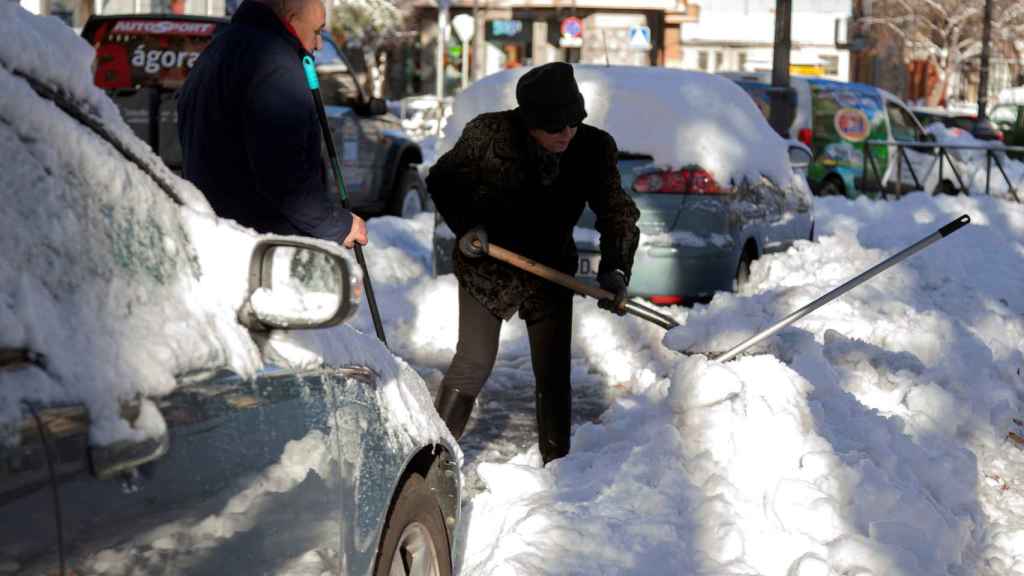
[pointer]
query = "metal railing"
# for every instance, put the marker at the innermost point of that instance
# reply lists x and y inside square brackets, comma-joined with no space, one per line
[943,157]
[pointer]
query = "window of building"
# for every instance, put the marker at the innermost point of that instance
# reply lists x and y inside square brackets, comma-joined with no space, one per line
[741,61]
[830,64]
[702,60]
[719,60]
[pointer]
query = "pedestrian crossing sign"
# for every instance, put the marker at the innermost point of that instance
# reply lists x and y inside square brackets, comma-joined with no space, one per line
[640,37]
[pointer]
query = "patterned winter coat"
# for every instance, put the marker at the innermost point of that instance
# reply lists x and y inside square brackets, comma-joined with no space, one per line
[493,177]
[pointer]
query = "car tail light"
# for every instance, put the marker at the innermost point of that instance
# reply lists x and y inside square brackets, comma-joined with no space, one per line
[1000,136]
[666,300]
[806,136]
[685,181]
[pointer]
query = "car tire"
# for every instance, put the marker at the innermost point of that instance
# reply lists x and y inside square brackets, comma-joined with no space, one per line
[946,188]
[414,540]
[410,196]
[832,186]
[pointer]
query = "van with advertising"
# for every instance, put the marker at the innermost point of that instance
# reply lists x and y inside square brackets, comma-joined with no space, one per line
[142,61]
[837,120]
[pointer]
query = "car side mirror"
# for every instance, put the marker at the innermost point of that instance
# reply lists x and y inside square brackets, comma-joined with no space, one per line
[296,284]
[800,158]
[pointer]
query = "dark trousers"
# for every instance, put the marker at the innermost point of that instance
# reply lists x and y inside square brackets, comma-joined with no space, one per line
[550,351]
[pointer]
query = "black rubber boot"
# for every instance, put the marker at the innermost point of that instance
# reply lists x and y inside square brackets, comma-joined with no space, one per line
[454,407]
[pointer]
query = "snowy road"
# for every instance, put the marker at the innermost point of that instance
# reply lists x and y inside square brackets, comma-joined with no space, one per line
[869,438]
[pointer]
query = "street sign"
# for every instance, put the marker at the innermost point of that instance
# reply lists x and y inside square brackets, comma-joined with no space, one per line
[640,37]
[464,26]
[572,33]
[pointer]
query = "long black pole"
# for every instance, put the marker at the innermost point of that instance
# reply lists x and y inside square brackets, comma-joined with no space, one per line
[849,285]
[314,85]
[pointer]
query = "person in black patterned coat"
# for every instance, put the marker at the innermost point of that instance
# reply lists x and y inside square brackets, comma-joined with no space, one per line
[521,179]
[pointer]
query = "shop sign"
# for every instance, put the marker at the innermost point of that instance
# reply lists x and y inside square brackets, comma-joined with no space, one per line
[506,31]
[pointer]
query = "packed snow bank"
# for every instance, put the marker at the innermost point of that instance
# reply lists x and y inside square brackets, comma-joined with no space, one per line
[871,441]
[678,125]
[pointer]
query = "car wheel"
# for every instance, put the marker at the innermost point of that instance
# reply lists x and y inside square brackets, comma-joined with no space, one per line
[946,187]
[410,196]
[832,187]
[414,541]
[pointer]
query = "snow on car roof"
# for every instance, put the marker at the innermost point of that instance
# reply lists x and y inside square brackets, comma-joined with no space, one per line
[679,117]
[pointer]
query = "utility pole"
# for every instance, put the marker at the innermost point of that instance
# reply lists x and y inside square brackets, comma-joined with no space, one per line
[986,53]
[442,27]
[781,99]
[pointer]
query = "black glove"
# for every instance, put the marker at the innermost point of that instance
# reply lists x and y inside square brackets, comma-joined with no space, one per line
[474,243]
[613,281]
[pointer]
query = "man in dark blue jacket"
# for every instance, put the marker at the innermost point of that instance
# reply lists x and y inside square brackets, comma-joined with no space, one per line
[249,129]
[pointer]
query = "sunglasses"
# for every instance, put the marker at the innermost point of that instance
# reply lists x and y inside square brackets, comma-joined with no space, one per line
[550,130]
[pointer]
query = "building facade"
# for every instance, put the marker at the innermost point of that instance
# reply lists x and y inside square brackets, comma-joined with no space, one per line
[511,33]
[738,36]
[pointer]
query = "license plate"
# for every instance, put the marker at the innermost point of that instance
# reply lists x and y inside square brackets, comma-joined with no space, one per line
[588,265]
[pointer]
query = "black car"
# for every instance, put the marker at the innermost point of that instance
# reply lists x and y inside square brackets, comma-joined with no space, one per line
[142,61]
[985,130]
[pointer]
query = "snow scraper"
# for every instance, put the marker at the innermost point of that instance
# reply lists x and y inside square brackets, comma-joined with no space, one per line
[668,323]
[849,285]
[314,85]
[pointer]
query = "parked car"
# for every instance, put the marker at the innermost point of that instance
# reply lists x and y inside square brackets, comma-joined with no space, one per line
[142,60]
[155,418]
[716,187]
[1008,116]
[964,121]
[836,119]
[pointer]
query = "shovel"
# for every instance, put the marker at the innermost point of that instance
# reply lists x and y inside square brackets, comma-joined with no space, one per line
[668,323]
[570,282]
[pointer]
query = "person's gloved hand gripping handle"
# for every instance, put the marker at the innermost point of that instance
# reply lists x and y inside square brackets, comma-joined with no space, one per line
[474,243]
[613,281]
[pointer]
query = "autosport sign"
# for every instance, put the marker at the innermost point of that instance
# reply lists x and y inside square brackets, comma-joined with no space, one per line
[164,28]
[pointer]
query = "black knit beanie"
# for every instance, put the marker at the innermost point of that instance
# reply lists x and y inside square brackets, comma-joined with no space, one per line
[549,98]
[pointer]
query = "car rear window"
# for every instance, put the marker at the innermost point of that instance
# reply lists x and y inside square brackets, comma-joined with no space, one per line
[632,165]
[135,52]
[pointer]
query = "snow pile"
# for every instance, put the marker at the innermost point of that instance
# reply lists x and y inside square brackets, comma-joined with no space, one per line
[973,164]
[730,139]
[873,441]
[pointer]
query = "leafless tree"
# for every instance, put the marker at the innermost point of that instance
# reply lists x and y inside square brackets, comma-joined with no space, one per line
[948,34]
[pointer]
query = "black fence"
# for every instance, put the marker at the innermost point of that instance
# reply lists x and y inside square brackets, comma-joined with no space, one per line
[941,151]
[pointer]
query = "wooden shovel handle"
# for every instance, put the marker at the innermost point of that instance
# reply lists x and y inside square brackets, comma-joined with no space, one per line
[548,273]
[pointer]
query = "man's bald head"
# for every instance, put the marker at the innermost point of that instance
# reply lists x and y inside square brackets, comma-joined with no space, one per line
[307,17]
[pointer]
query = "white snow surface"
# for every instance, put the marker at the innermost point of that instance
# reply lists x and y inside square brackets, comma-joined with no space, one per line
[662,112]
[870,438]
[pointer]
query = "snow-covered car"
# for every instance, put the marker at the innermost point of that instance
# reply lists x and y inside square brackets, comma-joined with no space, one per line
[716,186]
[179,394]
[142,60]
